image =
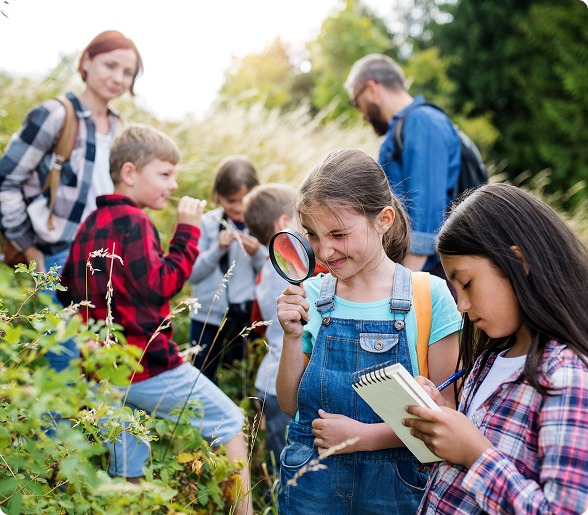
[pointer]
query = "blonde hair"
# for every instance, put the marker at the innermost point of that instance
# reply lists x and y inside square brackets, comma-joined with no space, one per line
[264,205]
[140,144]
[350,179]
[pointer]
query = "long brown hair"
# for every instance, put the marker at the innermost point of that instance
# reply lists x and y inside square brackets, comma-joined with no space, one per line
[550,283]
[352,179]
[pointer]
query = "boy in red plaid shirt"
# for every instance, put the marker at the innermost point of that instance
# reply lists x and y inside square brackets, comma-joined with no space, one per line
[142,166]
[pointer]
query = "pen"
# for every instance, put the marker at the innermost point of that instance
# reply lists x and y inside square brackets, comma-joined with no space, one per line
[452,378]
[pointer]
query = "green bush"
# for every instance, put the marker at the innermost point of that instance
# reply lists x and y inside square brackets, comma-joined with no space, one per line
[53,425]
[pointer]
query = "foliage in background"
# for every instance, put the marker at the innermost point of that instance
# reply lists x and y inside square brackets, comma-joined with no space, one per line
[512,74]
[345,36]
[525,62]
[352,31]
[271,77]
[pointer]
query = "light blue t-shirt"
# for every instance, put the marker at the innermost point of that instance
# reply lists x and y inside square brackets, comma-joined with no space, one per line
[446,319]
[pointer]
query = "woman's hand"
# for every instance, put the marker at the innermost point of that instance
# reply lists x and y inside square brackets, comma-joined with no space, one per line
[292,308]
[448,433]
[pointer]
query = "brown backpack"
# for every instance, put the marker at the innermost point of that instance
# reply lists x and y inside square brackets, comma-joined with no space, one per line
[63,149]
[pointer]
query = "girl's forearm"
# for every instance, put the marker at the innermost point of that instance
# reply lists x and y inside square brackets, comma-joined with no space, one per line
[289,375]
[374,437]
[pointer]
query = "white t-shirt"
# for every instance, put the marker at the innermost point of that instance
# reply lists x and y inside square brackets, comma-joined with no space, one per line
[101,181]
[501,370]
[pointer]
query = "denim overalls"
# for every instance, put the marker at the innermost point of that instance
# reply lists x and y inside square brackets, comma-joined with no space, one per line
[378,482]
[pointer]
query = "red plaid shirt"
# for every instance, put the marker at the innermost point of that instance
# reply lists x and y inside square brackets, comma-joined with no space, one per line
[142,284]
[539,462]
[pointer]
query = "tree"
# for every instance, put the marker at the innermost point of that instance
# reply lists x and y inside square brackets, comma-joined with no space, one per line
[523,60]
[553,84]
[426,74]
[270,76]
[346,36]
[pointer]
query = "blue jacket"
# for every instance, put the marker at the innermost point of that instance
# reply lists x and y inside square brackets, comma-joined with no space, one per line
[425,177]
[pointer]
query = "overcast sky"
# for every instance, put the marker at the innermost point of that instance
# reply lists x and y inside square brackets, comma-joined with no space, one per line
[186,45]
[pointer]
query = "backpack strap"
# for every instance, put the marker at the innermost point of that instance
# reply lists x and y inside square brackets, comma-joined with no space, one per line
[398,134]
[63,149]
[421,296]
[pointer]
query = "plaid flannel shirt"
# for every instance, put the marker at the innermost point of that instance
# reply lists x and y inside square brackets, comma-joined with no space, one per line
[142,284]
[26,163]
[539,460]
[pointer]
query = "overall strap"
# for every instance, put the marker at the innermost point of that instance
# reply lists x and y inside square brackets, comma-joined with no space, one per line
[326,299]
[400,301]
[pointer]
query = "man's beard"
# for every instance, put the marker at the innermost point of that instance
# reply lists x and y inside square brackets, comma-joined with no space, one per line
[374,116]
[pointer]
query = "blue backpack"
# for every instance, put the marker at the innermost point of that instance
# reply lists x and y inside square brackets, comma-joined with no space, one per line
[473,172]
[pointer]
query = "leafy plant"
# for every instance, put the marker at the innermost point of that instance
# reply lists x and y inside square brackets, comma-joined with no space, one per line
[53,424]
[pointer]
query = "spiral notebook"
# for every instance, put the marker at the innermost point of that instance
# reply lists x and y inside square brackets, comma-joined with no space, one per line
[388,389]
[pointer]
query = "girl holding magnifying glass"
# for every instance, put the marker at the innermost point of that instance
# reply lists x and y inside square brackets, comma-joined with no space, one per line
[358,229]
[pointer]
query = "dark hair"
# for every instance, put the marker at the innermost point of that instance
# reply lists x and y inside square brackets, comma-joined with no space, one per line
[352,179]
[231,175]
[549,277]
[264,204]
[108,41]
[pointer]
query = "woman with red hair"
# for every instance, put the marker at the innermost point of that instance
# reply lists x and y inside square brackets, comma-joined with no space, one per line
[43,230]
[108,66]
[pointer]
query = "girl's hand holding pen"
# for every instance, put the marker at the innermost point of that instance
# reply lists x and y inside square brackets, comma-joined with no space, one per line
[431,389]
[449,433]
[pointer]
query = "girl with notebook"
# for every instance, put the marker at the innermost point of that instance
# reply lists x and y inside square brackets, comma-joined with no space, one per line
[517,444]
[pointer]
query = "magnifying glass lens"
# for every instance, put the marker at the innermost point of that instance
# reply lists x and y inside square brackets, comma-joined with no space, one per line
[292,256]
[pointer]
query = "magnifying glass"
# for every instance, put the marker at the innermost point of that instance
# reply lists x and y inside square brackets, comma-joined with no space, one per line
[292,256]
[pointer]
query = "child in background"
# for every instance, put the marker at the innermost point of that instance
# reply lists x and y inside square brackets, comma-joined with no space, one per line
[517,444]
[225,241]
[268,209]
[142,165]
[357,228]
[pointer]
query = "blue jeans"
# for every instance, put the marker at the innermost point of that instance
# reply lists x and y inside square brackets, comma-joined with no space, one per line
[221,419]
[384,481]
[58,361]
